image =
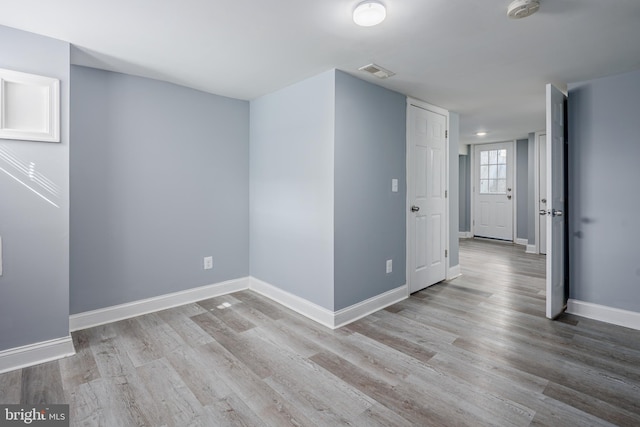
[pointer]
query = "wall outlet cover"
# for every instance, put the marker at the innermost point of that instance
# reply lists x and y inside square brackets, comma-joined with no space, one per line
[208,262]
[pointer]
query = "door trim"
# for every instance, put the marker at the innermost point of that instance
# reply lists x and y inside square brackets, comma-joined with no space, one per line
[536,190]
[412,102]
[472,182]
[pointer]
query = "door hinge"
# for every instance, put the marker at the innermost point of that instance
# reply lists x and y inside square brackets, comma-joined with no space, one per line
[446,253]
[446,134]
[446,194]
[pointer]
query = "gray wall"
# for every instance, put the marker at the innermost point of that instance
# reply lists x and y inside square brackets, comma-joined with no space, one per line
[454,188]
[370,150]
[522,188]
[34,287]
[464,199]
[291,174]
[604,148]
[159,179]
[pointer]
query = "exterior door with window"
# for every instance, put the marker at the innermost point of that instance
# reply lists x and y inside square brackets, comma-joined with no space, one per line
[493,191]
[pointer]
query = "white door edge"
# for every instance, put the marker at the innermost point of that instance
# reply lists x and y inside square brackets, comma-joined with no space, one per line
[536,189]
[514,193]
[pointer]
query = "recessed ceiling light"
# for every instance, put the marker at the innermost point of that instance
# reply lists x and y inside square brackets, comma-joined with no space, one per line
[482,133]
[369,13]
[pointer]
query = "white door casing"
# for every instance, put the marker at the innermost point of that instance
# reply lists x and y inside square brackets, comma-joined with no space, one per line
[427,218]
[542,197]
[493,190]
[555,283]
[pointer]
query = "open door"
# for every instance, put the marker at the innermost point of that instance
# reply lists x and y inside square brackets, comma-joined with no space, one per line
[427,216]
[556,138]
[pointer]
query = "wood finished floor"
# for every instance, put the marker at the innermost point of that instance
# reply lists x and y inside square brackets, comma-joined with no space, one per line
[475,351]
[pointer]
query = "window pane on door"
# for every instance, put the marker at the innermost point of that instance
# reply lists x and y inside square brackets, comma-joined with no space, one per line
[484,172]
[502,172]
[502,157]
[493,171]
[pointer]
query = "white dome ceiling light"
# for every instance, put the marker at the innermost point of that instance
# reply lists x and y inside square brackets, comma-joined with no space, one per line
[369,13]
[522,8]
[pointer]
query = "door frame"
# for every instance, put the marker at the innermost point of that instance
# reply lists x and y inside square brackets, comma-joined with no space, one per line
[413,102]
[472,182]
[536,191]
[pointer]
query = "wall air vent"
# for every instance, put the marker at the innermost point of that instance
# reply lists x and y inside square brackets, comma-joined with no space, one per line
[377,71]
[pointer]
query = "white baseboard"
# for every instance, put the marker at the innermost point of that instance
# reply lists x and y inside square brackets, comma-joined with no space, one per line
[531,249]
[465,234]
[454,272]
[294,302]
[521,241]
[326,317]
[358,311]
[35,354]
[603,313]
[114,313]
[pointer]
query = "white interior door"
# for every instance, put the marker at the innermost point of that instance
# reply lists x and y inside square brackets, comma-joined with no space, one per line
[426,193]
[493,191]
[556,122]
[542,175]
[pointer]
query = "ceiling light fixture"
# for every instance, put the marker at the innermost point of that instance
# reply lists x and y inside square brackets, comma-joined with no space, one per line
[522,8]
[369,13]
[481,133]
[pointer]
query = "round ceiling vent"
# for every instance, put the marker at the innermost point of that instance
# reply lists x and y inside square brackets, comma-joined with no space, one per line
[522,8]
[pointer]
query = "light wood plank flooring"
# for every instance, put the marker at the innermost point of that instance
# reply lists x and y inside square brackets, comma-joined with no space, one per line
[475,351]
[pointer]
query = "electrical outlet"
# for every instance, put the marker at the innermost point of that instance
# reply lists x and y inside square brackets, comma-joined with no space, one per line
[389,266]
[208,262]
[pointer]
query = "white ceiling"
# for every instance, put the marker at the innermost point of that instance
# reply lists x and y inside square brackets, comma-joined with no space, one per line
[463,55]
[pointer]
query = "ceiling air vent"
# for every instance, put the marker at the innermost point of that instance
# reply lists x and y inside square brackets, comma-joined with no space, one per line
[522,8]
[377,71]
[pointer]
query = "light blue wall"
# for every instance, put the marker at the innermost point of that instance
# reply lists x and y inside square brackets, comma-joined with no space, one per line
[159,179]
[370,150]
[604,202]
[291,174]
[454,188]
[522,188]
[464,199]
[34,287]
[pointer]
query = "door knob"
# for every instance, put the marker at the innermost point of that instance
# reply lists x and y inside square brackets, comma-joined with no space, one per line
[415,208]
[543,212]
[556,213]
